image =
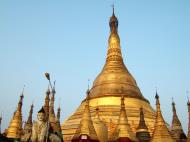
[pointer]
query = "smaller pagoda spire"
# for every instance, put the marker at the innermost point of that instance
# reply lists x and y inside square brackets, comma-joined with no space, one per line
[123,131]
[176,128]
[58,120]
[46,104]
[175,120]
[86,130]
[29,121]
[100,127]
[27,132]
[142,131]
[0,122]
[58,130]
[188,134]
[15,126]
[52,118]
[161,132]
[58,113]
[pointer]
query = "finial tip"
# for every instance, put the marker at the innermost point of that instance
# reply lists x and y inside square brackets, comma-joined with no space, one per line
[23,90]
[172,100]
[157,96]
[88,83]
[113,9]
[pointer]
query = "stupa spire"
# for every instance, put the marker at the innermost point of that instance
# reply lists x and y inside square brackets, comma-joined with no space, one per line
[52,118]
[123,130]
[58,119]
[114,49]
[52,100]
[86,130]
[29,121]
[15,126]
[100,127]
[175,120]
[161,132]
[176,128]
[188,134]
[142,124]
[142,132]
[58,113]
[46,104]
[27,132]
[58,123]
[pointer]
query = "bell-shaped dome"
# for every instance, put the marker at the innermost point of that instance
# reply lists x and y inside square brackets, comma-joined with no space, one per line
[115,79]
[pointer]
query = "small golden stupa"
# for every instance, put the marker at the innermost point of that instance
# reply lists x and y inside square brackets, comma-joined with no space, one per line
[14,130]
[161,132]
[110,85]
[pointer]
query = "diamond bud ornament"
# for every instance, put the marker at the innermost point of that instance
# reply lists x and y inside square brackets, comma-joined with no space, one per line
[47,75]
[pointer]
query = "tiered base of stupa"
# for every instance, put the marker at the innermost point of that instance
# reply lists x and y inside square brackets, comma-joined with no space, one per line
[109,109]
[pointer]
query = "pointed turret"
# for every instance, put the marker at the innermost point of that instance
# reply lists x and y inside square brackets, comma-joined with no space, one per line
[28,124]
[58,119]
[161,132]
[0,123]
[86,131]
[52,118]
[46,104]
[58,125]
[123,131]
[100,127]
[15,126]
[176,128]
[188,134]
[114,50]
[142,132]
[27,132]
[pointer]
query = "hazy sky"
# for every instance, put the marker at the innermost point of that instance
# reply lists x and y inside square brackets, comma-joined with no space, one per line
[69,40]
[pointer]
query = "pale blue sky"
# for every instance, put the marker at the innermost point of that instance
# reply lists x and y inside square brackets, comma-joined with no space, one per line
[69,40]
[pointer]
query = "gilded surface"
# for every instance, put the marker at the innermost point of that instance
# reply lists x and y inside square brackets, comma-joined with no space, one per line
[161,132]
[86,125]
[15,126]
[100,127]
[176,128]
[113,82]
[123,129]
[109,110]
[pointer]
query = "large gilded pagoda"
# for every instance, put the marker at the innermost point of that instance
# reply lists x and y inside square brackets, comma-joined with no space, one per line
[113,82]
[114,110]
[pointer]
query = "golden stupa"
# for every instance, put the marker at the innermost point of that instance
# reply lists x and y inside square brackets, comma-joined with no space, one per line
[14,130]
[113,82]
